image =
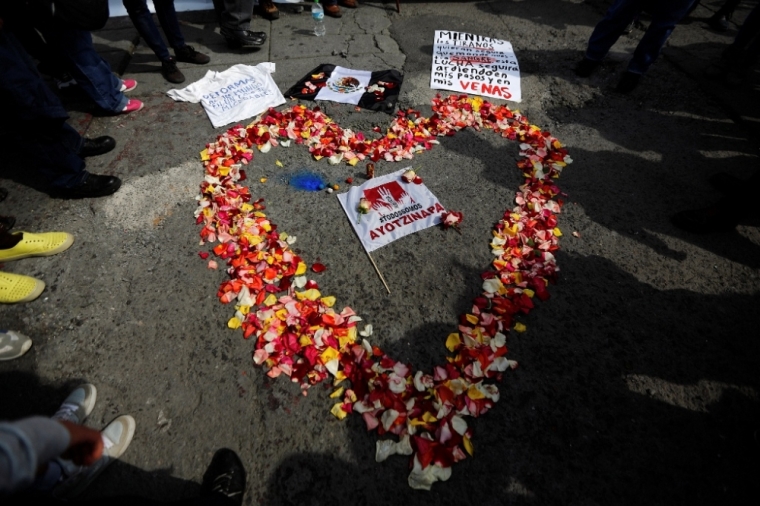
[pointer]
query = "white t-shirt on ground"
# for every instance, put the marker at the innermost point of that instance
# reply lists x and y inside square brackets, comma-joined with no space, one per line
[238,93]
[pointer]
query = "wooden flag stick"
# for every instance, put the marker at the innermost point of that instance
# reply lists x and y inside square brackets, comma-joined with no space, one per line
[378,271]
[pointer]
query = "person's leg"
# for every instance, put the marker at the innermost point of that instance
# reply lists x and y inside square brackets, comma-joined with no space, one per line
[24,96]
[665,15]
[236,14]
[235,23]
[28,105]
[56,152]
[608,30]
[167,16]
[142,19]
[92,73]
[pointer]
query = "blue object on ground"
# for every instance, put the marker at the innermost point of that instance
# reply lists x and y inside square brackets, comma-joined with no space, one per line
[307,181]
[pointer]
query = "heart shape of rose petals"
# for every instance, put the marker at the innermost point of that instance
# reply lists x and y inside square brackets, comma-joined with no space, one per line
[299,334]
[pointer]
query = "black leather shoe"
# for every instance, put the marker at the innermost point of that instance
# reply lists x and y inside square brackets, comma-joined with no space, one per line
[96,146]
[243,38]
[225,476]
[94,185]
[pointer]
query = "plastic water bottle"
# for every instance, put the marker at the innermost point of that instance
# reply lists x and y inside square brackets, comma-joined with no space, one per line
[318,13]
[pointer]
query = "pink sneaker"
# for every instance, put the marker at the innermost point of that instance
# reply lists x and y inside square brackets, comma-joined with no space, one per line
[132,106]
[128,85]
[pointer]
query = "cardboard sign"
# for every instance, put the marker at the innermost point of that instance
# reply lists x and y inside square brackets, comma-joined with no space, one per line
[398,208]
[476,65]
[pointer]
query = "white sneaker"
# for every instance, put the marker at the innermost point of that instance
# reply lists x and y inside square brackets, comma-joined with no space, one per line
[13,344]
[78,405]
[116,438]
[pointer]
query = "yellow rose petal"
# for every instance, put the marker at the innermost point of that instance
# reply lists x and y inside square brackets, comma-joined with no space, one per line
[328,301]
[474,393]
[311,294]
[468,445]
[337,411]
[234,323]
[301,269]
[453,341]
[519,327]
[337,393]
[339,376]
[329,354]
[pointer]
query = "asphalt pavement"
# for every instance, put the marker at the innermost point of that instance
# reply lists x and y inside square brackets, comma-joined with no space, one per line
[638,379]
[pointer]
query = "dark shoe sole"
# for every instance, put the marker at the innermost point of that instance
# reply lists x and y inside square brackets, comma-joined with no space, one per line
[175,79]
[73,194]
[234,43]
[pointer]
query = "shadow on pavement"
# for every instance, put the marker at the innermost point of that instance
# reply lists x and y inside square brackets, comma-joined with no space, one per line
[626,395]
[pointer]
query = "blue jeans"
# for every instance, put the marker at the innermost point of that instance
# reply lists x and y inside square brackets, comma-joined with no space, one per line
[33,127]
[143,21]
[93,74]
[665,15]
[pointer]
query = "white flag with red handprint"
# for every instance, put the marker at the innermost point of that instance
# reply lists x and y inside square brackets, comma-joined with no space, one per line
[386,208]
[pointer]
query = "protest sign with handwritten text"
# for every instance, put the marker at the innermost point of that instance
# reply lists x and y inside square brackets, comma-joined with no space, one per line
[475,64]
